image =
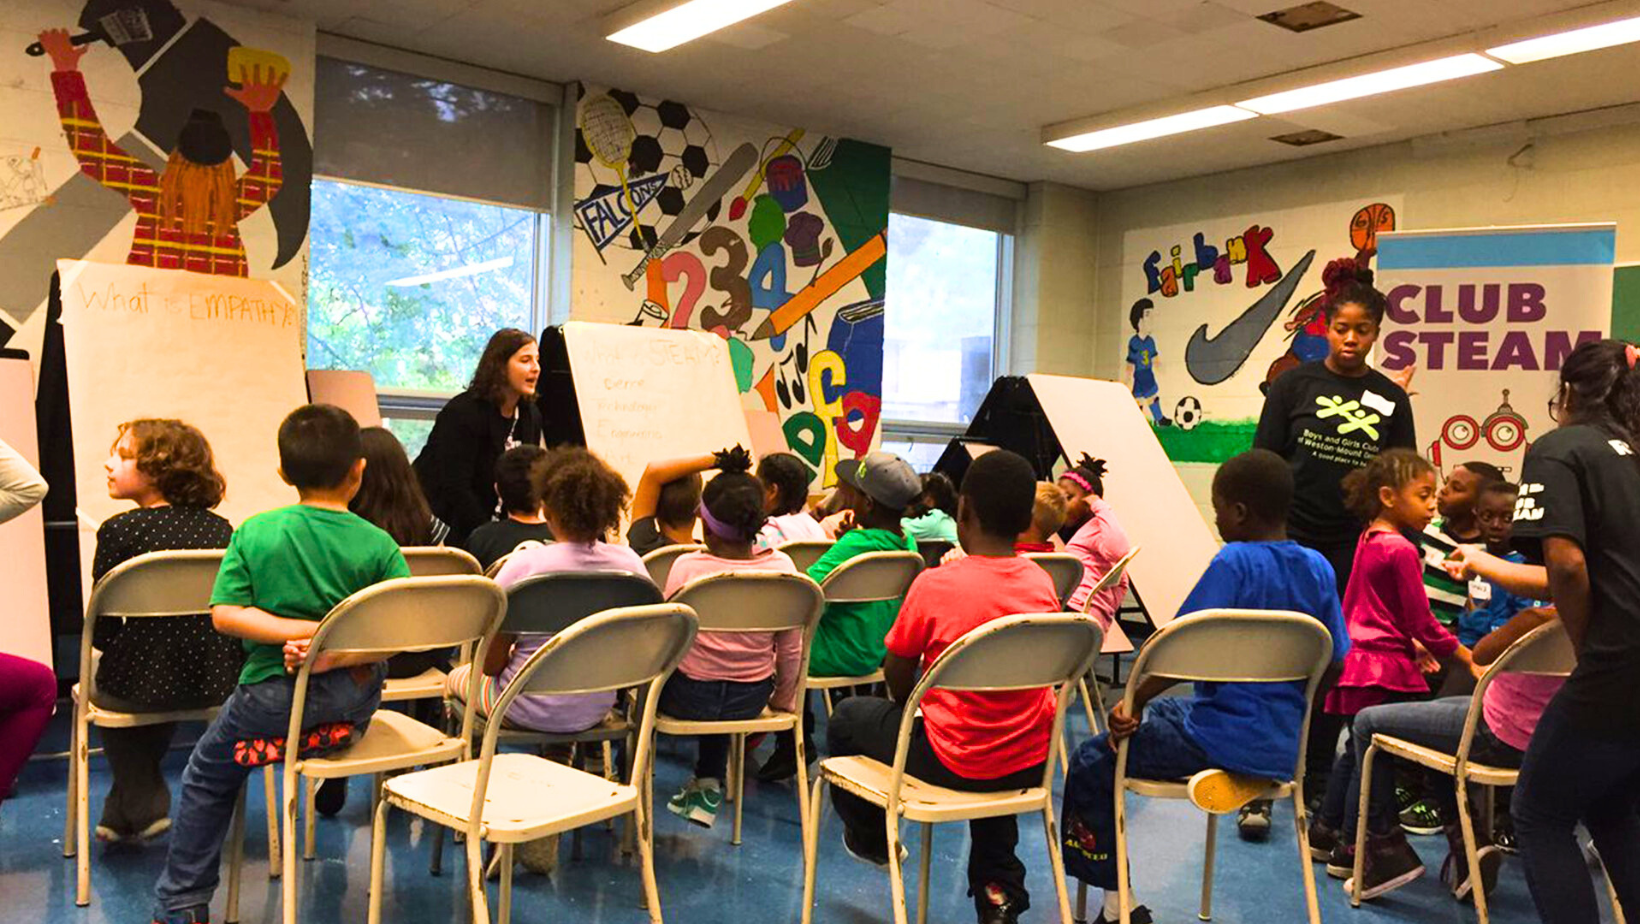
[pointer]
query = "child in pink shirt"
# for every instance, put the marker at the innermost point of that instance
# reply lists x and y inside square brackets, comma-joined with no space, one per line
[1394,638]
[1093,534]
[728,675]
[785,479]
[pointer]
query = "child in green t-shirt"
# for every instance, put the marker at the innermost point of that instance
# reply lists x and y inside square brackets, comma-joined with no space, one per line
[283,572]
[875,490]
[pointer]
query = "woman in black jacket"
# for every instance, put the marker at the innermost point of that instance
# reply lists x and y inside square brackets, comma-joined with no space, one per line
[494,414]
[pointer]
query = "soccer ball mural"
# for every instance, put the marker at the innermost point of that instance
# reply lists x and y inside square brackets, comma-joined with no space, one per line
[669,140]
[1187,413]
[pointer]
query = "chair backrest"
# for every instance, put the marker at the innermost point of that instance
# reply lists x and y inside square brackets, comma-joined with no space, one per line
[932,551]
[1020,652]
[436,560]
[611,650]
[549,603]
[174,583]
[659,562]
[406,614]
[1546,651]
[1064,568]
[871,577]
[752,601]
[1114,574]
[805,552]
[1235,646]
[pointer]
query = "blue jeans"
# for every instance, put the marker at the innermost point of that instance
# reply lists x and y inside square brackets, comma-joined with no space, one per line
[1437,724]
[1571,774]
[1159,750]
[210,784]
[684,697]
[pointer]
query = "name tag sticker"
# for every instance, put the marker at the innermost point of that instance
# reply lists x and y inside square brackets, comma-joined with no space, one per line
[1434,557]
[1480,590]
[1378,403]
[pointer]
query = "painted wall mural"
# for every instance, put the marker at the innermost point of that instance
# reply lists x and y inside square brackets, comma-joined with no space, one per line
[158,133]
[772,238]
[1218,309]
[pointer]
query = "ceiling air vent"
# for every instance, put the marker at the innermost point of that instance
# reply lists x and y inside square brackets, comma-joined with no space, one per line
[1307,16]
[1307,137]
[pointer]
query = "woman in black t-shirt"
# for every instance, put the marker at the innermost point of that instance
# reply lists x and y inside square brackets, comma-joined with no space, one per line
[1579,514]
[1331,417]
[1327,419]
[494,414]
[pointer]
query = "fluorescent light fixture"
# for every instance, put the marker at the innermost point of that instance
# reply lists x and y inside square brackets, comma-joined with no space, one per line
[1621,32]
[1153,128]
[470,269]
[1396,78]
[689,21]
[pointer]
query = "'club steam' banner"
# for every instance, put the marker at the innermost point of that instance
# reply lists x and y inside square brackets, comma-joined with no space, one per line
[1488,315]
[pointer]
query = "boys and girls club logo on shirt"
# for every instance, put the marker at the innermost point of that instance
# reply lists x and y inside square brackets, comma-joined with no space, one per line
[1363,414]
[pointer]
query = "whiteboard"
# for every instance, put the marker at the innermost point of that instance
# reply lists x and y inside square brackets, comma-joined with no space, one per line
[220,352]
[648,393]
[1100,418]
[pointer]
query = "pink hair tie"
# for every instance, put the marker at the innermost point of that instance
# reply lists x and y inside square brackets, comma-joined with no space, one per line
[1088,486]
[1634,354]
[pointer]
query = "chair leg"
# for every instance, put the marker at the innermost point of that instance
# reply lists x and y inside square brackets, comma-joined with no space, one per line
[1302,822]
[435,863]
[82,815]
[896,868]
[71,803]
[378,853]
[475,880]
[1057,865]
[825,700]
[270,791]
[1124,890]
[236,857]
[646,855]
[737,763]
[287,888]
[1466,824]
[803,796]
[1064,756]
[811,839]
[504,903]
[922,872]
[310,787]
[1087,704]
[1209,854]
[1081,916]
[1361,825]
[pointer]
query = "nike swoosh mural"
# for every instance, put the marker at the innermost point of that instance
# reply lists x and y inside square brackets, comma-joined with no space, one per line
[1211,360]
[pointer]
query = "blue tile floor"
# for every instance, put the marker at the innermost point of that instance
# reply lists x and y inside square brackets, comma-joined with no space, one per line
[703,880]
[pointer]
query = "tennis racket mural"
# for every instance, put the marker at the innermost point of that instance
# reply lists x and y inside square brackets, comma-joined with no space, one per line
[772,238]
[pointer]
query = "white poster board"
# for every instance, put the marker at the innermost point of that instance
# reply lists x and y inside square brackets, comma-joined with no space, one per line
[1101,419]
[1489,315]
[650,393]
[220,352]
[26,629]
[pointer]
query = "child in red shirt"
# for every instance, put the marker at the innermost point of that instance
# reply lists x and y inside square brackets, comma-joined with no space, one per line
[980,742]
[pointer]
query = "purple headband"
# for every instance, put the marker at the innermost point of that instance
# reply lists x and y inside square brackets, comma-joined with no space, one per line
[1078,479]
[719,528]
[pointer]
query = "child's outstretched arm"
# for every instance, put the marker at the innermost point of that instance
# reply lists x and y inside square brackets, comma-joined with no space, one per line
[1467,561]
[1496,642]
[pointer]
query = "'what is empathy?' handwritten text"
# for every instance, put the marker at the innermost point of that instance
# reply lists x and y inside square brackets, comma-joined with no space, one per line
[196,306]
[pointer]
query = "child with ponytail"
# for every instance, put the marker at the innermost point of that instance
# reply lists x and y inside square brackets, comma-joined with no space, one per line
[728,675]
[1393,638]
[1094,535]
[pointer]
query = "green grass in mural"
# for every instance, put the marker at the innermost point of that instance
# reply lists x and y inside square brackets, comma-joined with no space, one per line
[1209,441]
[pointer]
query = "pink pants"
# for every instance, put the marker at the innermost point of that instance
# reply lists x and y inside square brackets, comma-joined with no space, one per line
[28,692]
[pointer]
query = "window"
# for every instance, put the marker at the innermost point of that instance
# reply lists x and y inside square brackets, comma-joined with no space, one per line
[431,225]
[409,286]
[944,290]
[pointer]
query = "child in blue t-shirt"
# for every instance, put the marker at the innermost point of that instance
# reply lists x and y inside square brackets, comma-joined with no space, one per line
[1141,361]
[1490,605]
[1251,729]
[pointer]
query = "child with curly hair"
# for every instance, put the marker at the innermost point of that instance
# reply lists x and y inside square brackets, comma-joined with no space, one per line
[728,675]
[167,469]
[1394,640]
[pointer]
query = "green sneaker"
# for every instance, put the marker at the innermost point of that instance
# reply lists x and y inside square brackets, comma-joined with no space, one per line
[679,804]
[704,803]
[1422,817]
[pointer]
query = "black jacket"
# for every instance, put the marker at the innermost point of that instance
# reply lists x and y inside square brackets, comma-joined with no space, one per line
[457,466]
